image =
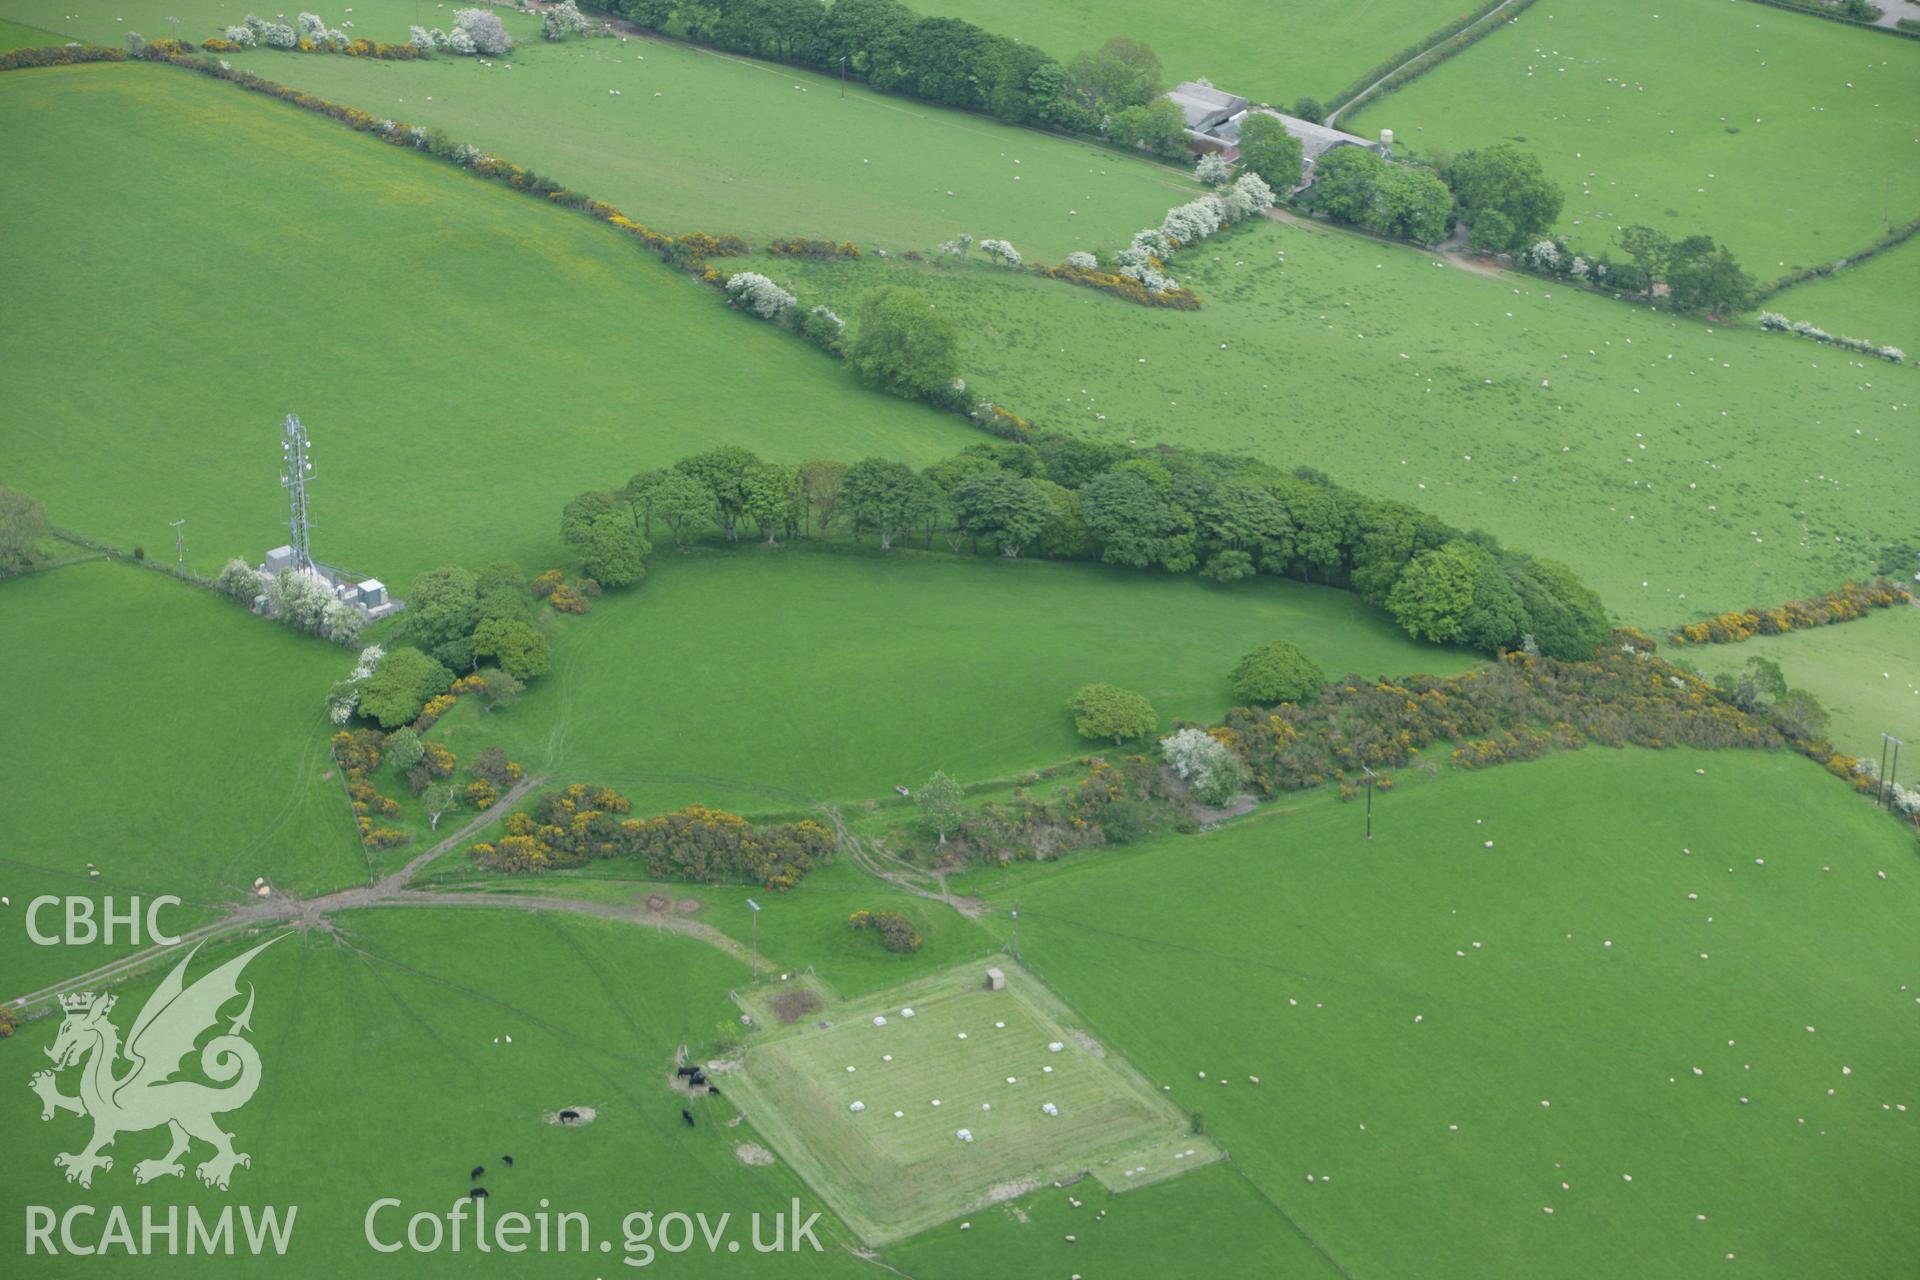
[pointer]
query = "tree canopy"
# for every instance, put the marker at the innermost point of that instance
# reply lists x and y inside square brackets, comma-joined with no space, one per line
[520,648]
[612,551]
[903,344]
[397,690]
[1504,179]
[442,610]
[1270,151]
[939,803]
[1009,511]
[885,497]
[1108,711]
[1156,126]
[1278,671]
[1120,73]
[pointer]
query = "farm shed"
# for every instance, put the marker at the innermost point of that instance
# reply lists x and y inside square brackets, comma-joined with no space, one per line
[996,980]
[1214,118]
[1205,107]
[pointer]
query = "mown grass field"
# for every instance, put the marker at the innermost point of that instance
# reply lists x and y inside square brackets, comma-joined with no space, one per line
[698,140]
[1787,140]
[1447,1032]
[1879,296]
[1278,52]
[943,1057]
[781,680]
[166,738]
[1681,468]
[1865,673]
[465,358]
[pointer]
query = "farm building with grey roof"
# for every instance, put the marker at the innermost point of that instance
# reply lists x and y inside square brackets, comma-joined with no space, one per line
[1213,119]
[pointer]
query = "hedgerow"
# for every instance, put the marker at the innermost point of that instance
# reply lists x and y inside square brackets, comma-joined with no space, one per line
[581,823]
[1221,516]
[1843,604]
[64,55]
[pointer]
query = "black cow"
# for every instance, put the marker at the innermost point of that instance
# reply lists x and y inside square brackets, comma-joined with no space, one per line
[569,1116]
[715,1092]
[509,1161]
[477,1171]
[687,1116]
[684,1072]
[697,1078]
[478,1193]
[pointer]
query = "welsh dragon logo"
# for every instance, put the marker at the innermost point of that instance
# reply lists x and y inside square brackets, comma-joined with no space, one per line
[144,1094]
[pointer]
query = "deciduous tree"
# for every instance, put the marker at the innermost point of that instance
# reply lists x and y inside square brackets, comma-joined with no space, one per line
[519,647]
[822,479]
[1120,73]
[1504,179]
[885,497]
[723,471]
[685,505]
[613,552]
[939,802]
[23,523]
[903,344]
[442,610]
[1108,711]
[1278,671]
[1270,151]
[394,694]
[1156,126]
[1010,511]
[499,688]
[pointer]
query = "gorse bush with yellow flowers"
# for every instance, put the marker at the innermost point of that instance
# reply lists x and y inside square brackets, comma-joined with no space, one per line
[1843,604]
[580,823]
[64,55]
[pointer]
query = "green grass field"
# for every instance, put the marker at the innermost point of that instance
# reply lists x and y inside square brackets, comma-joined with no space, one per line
[697,140]
[1780,137]
[1866,674]
[1680,468]
[396,1026]
[1614,1012]
[1278,52]
[953,1081]
[787,679]
[1876,298]
[796,930]
[176,744]
[465,358]
[386,1072]
[15,36]
[1211,1221]
[1411,1003]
